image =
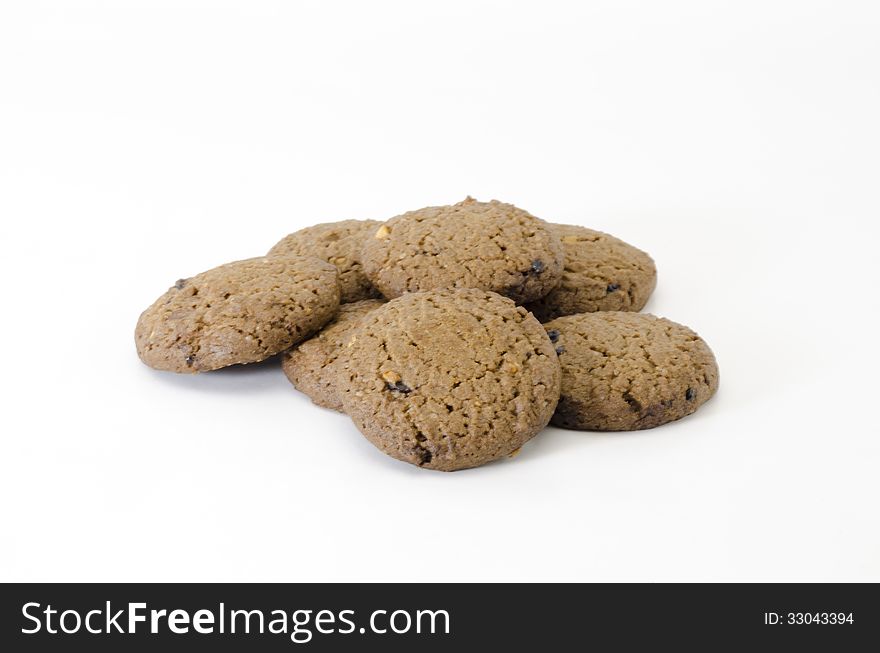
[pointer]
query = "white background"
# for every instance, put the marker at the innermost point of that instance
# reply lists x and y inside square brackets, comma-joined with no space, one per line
[140,142]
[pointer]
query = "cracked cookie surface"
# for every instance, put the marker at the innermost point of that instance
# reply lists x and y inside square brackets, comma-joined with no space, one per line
[311,365]
[484,245]
[338,243]
[241,312]
[601,273]
[629,371]
[449,379]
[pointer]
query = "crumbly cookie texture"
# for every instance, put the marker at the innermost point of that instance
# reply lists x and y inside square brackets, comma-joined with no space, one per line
[338,243]
[449,379]
[629,371]
[484,245]
[311,365]
[241,312]
[602,273]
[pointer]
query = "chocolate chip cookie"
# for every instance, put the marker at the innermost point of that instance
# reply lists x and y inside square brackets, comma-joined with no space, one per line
[602,273]
[484,245]
[338,243]
[311,365]
[241,312]
[629,371]
[449,379]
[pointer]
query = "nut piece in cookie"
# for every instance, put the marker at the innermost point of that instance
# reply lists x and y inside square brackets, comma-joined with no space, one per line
[629,371]
[449,379]
[241,312]
[311,366]
[602,273]
[338,243]
[484,245]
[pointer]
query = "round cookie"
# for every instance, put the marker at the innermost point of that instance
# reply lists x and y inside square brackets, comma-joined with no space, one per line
[241,312]
[602,273]
[338,243]
[629,371]
[311,365]
[485,245]
[449,379]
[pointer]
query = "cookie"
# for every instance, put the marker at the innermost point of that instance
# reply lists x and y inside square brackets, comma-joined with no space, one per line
[449,379]
[241,312]
[484,245]
[338,243]
[629,371]
[311,365]
[602,273]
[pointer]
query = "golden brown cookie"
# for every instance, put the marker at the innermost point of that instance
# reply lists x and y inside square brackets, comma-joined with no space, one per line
[338,243]
[241,312]
[449,379]
[602,273]
[629,371]
[484,245]
[311,365]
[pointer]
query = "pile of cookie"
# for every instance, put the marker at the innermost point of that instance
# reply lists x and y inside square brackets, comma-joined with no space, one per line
[450,335]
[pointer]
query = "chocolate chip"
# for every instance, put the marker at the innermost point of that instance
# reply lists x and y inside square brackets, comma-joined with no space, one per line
[537,266]
[180,283]
[690,395]
[553,334]
[399,386]
[190,360]
[560,350]
[612,287]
